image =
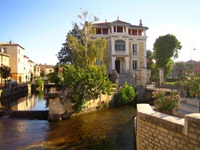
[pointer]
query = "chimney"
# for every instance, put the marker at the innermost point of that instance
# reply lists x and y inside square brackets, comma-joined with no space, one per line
[10,42]
[140,23]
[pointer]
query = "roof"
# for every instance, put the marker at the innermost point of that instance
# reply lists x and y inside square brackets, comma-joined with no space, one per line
[10,44]
[118,22]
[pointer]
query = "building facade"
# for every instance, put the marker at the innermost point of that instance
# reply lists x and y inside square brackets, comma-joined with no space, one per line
[46,69]
[125,55]
[13,57]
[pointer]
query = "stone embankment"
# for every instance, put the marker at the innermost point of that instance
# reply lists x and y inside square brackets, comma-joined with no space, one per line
[40,115]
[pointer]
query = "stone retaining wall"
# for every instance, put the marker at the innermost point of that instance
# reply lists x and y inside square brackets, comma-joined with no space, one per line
[40,115]
[60,107]
[156,130]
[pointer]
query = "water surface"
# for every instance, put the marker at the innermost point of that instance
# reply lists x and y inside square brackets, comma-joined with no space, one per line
[109,129]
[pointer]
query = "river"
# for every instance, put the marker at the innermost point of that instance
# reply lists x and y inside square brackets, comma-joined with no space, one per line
[110,129]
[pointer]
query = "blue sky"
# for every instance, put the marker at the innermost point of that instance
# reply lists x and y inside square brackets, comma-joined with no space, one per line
[41,26]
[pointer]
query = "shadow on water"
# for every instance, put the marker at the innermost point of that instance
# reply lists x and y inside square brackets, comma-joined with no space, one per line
[111,129]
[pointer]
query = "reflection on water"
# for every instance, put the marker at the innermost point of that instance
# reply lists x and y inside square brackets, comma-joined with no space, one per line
[15,133]
[109,129]
[24,102]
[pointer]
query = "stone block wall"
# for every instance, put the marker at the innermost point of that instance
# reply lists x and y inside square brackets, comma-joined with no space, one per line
[155,130]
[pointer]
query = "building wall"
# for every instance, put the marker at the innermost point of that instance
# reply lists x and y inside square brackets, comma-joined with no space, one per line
[155,131]
[16,53]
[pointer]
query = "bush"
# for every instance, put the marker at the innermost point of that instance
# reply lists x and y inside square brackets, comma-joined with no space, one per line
[192,81]
[165,102]
[125,95]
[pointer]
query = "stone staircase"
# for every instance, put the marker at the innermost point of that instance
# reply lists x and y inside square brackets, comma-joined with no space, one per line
[188,106]
[126,77]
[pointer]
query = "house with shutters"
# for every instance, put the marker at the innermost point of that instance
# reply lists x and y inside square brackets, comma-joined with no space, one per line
[125,55]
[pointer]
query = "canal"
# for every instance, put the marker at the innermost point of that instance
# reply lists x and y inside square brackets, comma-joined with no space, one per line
[111,129]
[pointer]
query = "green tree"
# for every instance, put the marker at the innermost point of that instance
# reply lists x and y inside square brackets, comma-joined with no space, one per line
[65,54]
[85,83]
[85,77]
[39,83]
[5,72]
[166,47]
[87,51]
[42,73]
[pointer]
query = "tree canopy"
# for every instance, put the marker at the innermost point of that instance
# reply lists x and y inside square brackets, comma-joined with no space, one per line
[85,83]
[65,54]
[5,71]
[80,49]
[166,47]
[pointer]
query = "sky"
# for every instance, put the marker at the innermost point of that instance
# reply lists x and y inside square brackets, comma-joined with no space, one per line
[41,26]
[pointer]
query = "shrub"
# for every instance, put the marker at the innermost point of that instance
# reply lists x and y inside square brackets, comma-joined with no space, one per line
[165,102]
[125,95]
[192,81]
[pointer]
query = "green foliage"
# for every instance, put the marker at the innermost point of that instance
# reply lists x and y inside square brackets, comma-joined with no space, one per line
[166,47]
[39,83]
[42,73]
[65,54]
[85,51]
[125,95]
[55,77]
[85,83]
[5,71]
[192,81]
[165,102]
[168,67]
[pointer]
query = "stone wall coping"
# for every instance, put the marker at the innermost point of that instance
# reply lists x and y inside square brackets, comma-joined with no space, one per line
[176,124]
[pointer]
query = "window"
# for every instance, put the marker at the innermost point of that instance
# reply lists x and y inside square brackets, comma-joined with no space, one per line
[134,49]
[134,65]
[120,45]
[4,50]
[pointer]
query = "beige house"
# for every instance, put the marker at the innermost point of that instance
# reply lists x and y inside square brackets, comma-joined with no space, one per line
[125,55]
[46,69]
[20,64]
[37,70]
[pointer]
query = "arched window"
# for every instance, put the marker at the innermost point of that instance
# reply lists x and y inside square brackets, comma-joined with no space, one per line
[120,45]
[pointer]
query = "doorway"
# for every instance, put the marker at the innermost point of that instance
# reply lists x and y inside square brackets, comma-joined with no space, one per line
[117,66]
